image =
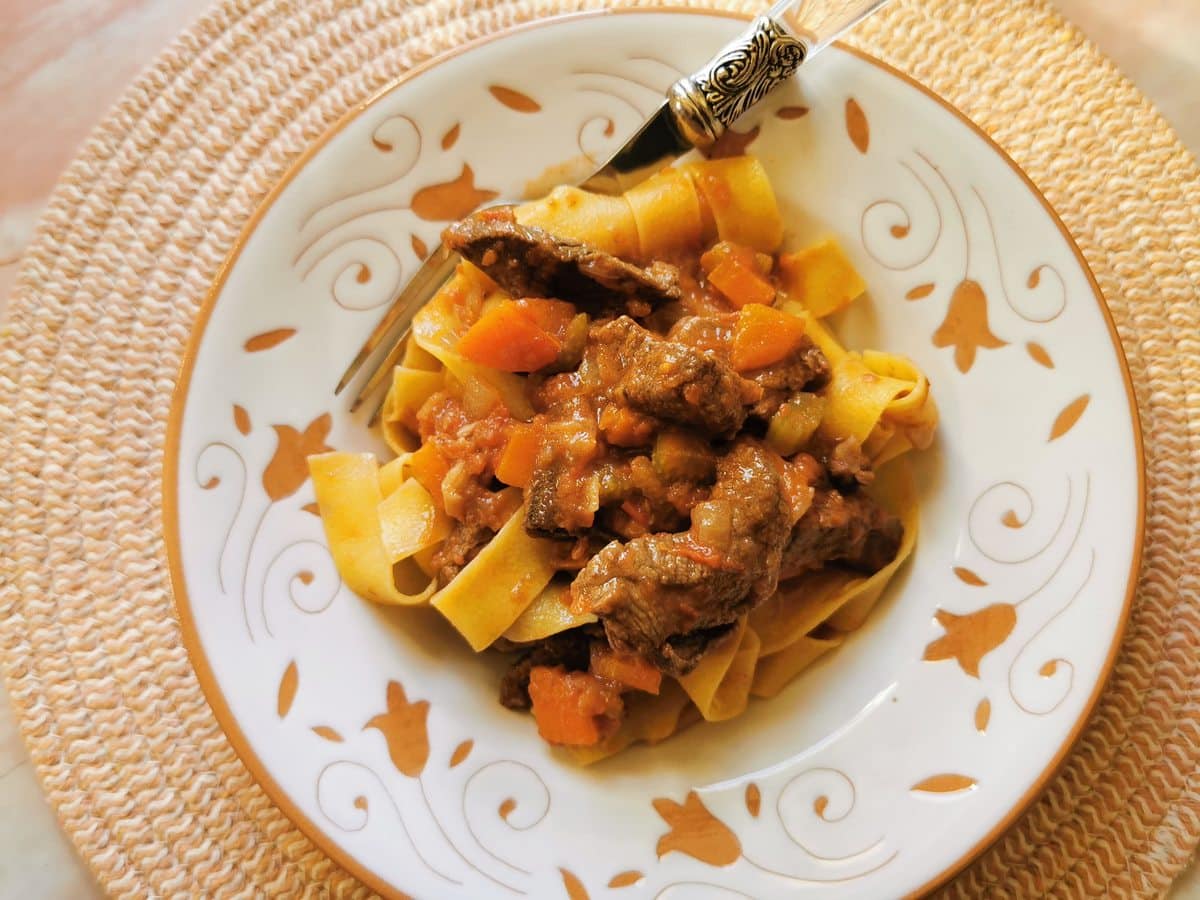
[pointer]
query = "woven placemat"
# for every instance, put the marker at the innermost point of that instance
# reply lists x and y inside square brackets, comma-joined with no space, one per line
[143,779]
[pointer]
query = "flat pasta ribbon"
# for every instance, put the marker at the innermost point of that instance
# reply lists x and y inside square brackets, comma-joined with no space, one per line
[880,399]
[410,389]
[910,420]
[779,670]
[547,615]
[490,593]
[676,209]
[410,521]
[719,686]
[348,495]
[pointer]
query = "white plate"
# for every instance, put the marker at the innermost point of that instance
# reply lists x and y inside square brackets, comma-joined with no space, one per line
[880,771]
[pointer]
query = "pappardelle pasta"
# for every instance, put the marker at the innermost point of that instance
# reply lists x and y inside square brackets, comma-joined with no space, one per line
[630,453]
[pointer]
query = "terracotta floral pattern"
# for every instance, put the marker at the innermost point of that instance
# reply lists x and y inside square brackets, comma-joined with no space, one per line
[268,339]
[288,468]
[965,327]
[857,126]
[404,728]
[696,832]
[969,638]
[452,199]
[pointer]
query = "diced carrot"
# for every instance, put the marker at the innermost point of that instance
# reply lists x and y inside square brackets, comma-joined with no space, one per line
[724,251]
[741,285]
[507,338]
[573,709]
[429,468]
[821,277]
[764,335]
[552,316]
[626,669]
[519,456]
[747,256]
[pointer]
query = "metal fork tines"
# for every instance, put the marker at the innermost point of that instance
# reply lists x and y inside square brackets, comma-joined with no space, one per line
[434,272]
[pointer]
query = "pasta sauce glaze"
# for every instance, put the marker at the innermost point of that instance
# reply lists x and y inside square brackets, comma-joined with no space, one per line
[651,463]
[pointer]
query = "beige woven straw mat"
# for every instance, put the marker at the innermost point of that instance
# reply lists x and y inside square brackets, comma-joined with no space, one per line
[145,782]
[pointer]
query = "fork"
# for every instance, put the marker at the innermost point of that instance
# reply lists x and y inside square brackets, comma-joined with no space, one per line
[696,111]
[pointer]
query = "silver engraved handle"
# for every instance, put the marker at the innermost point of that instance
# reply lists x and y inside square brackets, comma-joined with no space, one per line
[707,102]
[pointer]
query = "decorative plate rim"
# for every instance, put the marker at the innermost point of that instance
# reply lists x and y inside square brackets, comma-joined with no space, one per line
[170,506]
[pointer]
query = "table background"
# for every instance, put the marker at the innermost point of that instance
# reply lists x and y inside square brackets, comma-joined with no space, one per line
[63,62]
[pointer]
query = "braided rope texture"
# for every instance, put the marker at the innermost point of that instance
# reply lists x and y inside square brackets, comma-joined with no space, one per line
[144,781]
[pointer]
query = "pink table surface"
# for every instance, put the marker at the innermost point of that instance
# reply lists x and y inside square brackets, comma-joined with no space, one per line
[64,62]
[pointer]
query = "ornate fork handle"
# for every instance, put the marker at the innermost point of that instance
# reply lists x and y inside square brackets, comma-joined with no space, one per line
[712,99]
[704,104]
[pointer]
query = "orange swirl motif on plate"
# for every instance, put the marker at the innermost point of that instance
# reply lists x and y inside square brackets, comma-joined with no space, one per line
[323,584]
[990,505]
[364,269]
[1032,281]
[282,477]
[211,483]
[901,230]
[827,797]
[346,779]
[966,326]
[970,637]
[504,785]
[1051,670]
[595,134]
[695,831]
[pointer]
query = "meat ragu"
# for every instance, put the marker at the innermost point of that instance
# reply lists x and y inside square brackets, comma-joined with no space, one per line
[615,444]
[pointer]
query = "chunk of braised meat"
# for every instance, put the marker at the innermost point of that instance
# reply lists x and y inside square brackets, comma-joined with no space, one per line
[850,529]
[529,262]
[569,649]
[653,590]
[461,545]
[672,381]
[844,459]
[805,369]
[561,500]
[683,652]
